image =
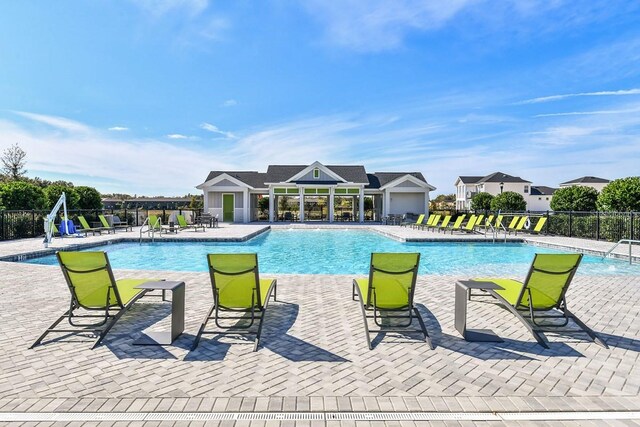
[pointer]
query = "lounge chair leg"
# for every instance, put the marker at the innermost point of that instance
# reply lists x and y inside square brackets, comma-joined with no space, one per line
[524,321]
[202,327]
[596,339]
[118,315]
[262,314]
[46,332]
[364,317]
[427,338]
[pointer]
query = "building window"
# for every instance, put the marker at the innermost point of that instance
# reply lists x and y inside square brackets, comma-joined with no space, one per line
[526,188]
[316,173]
[547,198]
[540,198]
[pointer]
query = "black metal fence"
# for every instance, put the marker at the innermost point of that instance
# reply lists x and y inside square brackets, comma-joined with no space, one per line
[24,224]
[609,226]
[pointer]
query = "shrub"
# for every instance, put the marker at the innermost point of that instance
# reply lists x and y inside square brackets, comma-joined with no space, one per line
[17,195]
[509,201]
[621,195]
[88,197]
[52,194]
[575,198]
[481,201]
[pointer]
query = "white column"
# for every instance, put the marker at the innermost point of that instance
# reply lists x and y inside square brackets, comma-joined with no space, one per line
[331,204]
[301,213]
[386,204]
[272,203]
[205,201]
[361,204]
[247,205]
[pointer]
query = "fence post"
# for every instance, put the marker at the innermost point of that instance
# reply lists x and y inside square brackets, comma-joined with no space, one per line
[163,215]
[136,216]
[546,226]
[570,222]
[33,223]
[598,225]
[2,224]
[632,228]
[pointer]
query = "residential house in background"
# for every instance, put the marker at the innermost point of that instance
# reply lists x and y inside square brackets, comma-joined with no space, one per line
[540,198]
[587,181]
[314,192]
[494,184]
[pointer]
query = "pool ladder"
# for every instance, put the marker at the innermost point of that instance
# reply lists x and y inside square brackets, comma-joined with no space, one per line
[495,231]
[150,230]
[629,241]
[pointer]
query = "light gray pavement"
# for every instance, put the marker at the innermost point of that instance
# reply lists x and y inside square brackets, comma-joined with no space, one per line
[314,356]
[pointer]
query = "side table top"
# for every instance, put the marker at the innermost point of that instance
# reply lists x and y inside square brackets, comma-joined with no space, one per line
[166,285]
[472,284]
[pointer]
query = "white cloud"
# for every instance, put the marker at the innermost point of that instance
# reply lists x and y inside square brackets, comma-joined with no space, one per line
[377,25]
[574,95]
[177,136]
[589,113]
[118,128]
[230,103]
[60,123]
[212,128]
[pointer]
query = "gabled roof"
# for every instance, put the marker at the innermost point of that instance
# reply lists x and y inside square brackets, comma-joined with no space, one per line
[252,179]
[470,179]
[502,177]
[587,180]
[380,179]
[541,190]
[350,173]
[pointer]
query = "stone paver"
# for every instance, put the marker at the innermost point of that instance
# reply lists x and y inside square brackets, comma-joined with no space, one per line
[314,357]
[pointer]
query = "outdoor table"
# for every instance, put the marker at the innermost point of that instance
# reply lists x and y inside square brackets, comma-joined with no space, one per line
[177,313]
[463,292]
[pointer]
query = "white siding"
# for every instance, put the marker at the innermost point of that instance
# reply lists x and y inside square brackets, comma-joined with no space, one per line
[401,203]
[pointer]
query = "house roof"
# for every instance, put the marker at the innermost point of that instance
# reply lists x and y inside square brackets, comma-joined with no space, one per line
[380,179]
[501,177]
[282,173]
[252,179]
[587,180]
[350,173]
[541,190]
[470,179]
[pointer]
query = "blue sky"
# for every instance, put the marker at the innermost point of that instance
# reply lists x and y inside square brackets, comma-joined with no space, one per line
[147,96]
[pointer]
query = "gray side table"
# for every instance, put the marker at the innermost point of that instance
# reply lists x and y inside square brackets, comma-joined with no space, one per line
[177,314]
[463,290]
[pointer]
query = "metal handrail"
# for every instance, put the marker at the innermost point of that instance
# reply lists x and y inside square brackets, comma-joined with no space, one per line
[629,241]
[150,230]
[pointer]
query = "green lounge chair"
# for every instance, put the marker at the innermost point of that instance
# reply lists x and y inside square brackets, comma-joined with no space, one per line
[520,226]
[388,294]
[428,223]
[479,219]
[155,224]
[105,224]
[114,227]
[237,287]
[538,228]
[498,224]
[86,229]
[94,289]
[458,223]
[412,224]
[445,223]
[544,290]
[434,223]
[513,224]
[468,227]
[182,223]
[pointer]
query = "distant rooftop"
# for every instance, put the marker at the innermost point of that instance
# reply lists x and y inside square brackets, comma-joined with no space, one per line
[541,190]
[587,180]
[494,177]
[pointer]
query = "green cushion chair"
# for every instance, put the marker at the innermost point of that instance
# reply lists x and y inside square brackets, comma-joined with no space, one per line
[182,223]
[86,228]
[93,289]
[237,288]
[543,291]
[387,295]
[457,224]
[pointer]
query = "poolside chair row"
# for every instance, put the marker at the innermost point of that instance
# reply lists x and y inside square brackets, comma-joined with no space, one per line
[155,224]
[386,296]
[476,224]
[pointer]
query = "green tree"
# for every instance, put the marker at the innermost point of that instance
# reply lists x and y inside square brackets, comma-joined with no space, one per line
[481,201]
[575,198]
[13,162]
[52,194]
[196,202]
[88,197]
[509,201]
[21,195]
[621,195]
[263,203]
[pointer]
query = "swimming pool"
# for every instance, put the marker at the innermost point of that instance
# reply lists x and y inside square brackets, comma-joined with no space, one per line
[323,251]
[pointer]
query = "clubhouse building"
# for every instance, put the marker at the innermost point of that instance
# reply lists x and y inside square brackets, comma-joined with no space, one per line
[313,192]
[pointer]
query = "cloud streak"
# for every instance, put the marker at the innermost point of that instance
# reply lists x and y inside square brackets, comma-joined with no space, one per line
[214,129]
[118,128]
[624,92]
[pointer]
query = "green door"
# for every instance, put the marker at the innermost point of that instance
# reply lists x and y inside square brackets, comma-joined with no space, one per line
[227,207]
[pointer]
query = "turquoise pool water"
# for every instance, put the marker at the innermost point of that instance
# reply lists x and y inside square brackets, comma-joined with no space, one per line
[324,251]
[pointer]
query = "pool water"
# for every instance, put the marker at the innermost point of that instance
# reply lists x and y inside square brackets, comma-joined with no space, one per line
[324,251]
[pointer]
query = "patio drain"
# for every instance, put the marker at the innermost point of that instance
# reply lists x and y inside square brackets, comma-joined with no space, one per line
[314,416]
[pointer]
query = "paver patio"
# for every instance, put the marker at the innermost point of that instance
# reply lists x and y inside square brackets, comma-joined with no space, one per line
[314,356]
